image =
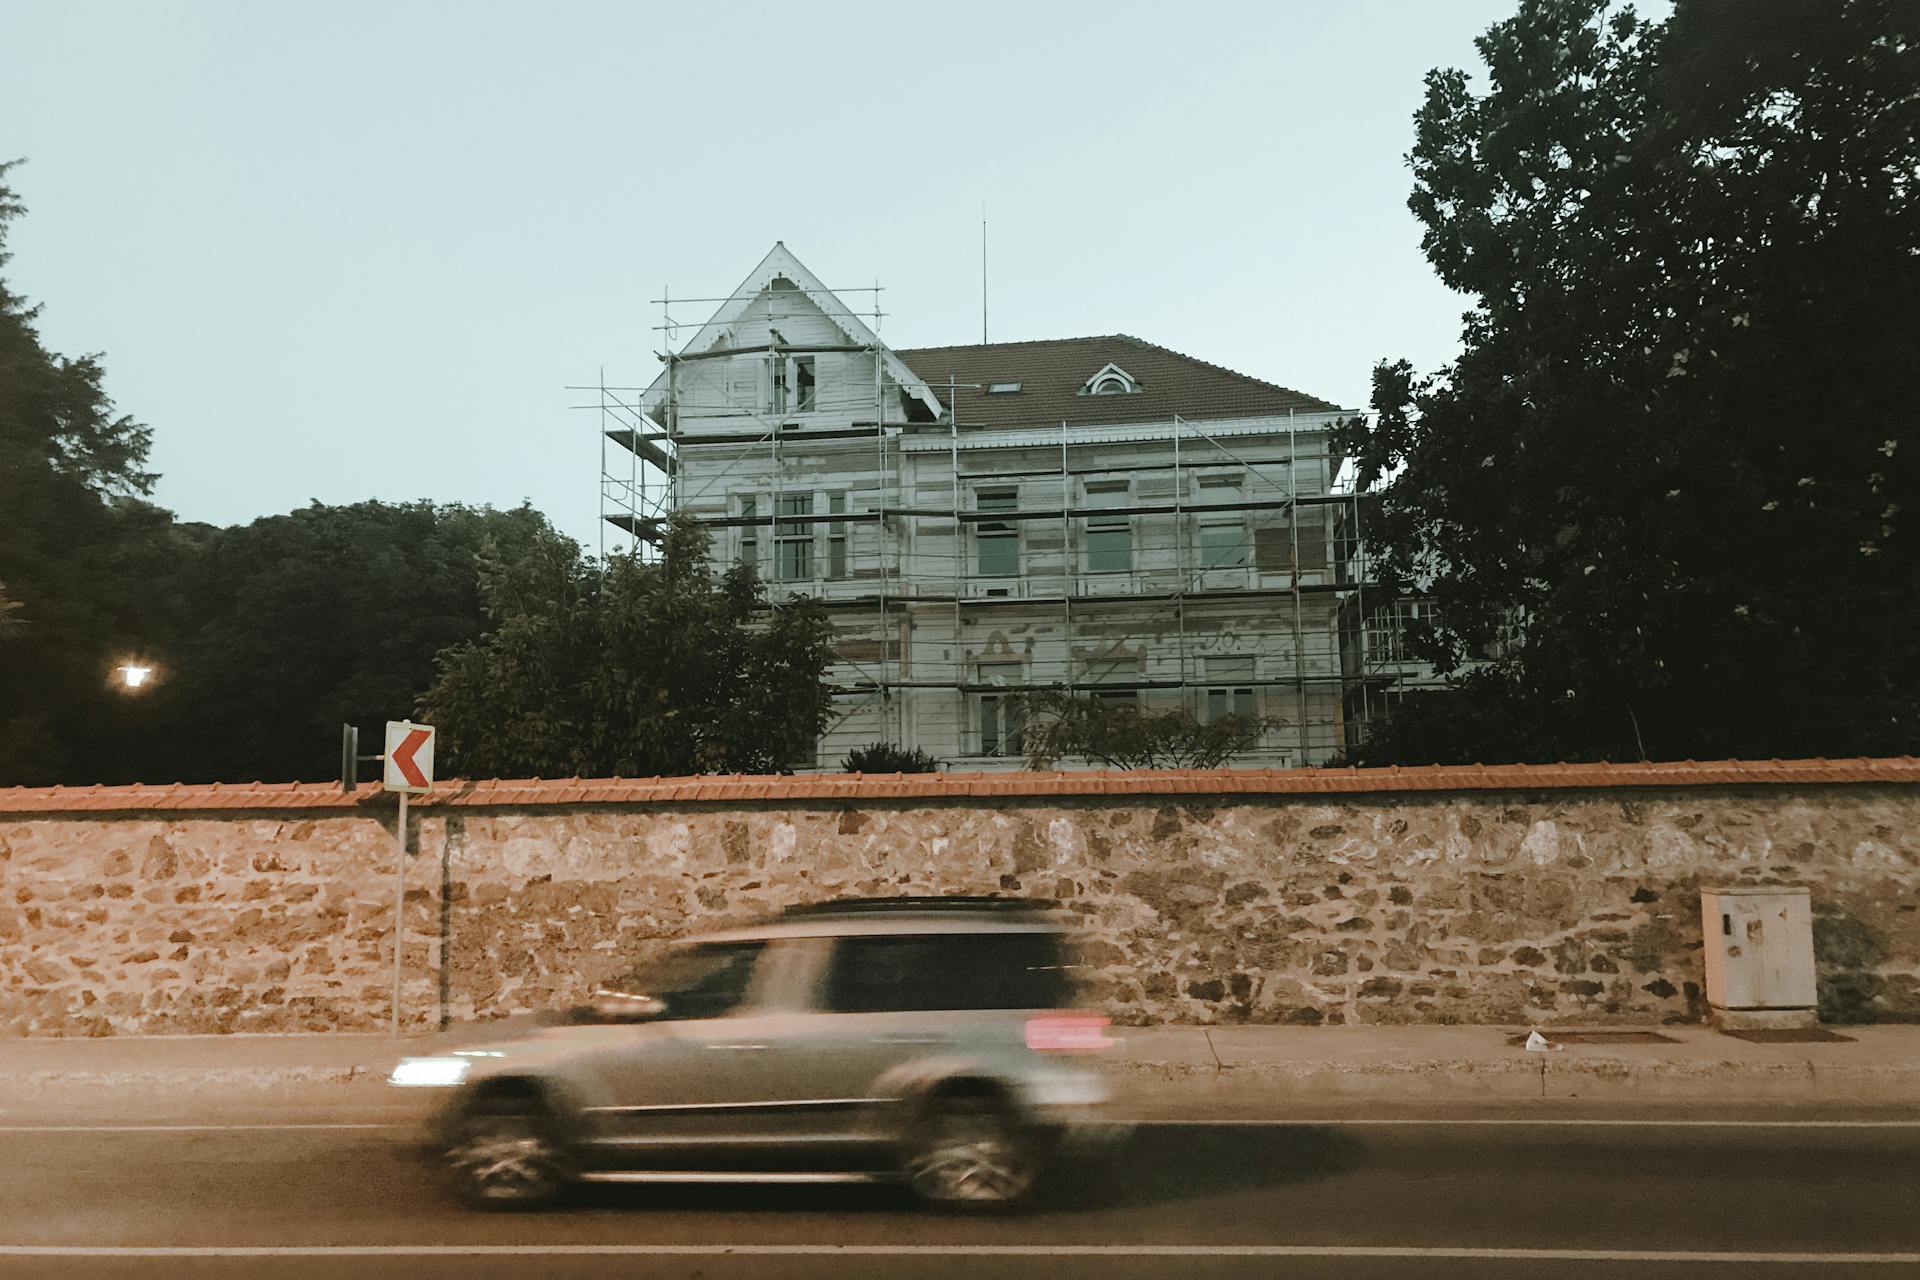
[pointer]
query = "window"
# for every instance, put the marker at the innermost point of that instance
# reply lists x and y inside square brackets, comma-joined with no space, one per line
[1237,701]
[1273,544]
[1109,536]
[1116,699]
[1002,723]
[1223,534]
[795,540]
[803,384]
[1110,381]
[1003,388]
[1222,546]
[927,972]
[1231,691]
[749,534]
[997,542]
[837,537]
[705,981]
[1393,629]
[776,385]
[1003,716]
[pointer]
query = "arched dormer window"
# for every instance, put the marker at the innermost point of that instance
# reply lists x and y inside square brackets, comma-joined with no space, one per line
[1110,381]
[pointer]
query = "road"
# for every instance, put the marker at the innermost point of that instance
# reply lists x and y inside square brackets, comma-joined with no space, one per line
[1547,1191]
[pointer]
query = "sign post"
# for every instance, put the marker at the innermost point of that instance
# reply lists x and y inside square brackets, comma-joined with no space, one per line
[409,771]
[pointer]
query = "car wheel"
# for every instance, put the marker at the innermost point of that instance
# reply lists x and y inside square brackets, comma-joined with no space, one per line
[970,1152]
[506,1153]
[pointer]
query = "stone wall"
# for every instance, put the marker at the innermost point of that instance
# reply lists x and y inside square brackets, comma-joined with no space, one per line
[1573,907]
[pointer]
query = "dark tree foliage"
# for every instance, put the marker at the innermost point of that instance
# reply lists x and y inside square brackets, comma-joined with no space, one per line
[1060,726]
[885,757]
[626,667]
[1673,466]
[85,562]
[296,624]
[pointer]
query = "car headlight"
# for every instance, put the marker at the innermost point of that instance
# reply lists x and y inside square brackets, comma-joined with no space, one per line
[430,1072]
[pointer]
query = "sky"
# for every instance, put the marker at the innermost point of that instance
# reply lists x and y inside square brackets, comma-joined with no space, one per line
[347,251]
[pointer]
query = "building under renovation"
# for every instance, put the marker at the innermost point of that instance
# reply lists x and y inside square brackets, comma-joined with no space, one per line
[1099,515]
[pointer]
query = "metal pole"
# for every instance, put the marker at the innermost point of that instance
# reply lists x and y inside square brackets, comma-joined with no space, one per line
[892,722]
[1069,576]
[1181,576]
[446,918]
[399,907]
[959,560]
[1299,641]
[603,462]
[983,273]
[1362,566]
[672,424]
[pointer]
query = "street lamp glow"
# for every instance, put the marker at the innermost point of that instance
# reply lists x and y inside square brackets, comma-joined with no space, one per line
[133,675]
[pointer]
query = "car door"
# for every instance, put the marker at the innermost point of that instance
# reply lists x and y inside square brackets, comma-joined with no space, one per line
[700,1084]
[888,1005]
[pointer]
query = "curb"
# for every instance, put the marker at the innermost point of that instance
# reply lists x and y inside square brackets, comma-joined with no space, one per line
[183,1078]
[1532,1078]
[1539,1078]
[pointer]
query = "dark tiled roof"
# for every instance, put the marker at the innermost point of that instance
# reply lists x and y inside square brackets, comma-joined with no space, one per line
[1052,372]
[856,787]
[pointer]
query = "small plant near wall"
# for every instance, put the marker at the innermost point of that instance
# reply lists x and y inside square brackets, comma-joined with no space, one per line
[884,757]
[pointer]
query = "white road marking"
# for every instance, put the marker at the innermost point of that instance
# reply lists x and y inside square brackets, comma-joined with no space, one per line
[1703,1256]
[1309,1121]
[1286,1122]
[183,1128]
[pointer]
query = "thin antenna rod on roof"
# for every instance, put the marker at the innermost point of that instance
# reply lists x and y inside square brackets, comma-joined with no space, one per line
[983,273]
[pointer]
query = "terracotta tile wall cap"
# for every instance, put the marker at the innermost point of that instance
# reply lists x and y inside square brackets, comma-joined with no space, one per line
[850,788]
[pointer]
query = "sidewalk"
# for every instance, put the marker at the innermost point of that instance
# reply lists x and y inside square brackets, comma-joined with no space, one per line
[1881,1064]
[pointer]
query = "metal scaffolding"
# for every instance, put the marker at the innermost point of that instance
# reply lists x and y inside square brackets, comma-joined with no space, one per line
[887,579]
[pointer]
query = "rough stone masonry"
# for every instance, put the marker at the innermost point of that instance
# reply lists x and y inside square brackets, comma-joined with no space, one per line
[1574,907]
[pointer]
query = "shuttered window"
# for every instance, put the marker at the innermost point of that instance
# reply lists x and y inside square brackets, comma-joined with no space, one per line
[1273,545]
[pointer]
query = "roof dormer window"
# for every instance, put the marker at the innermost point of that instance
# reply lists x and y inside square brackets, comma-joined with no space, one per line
[1111,381]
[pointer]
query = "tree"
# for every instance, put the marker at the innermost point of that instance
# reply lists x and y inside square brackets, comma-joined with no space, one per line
[634,668]
[1060,725]
[327,615]
[885,757]
[86,562]
[1669,467]
[10,623]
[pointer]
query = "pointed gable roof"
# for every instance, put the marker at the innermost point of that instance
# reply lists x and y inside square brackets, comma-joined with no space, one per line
[1052,373]
[780,264]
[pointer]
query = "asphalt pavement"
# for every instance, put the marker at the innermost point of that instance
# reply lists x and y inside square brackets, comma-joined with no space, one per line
[244,1188]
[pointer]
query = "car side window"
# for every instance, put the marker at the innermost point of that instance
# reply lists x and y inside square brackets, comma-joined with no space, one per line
[705,981]
[951,971]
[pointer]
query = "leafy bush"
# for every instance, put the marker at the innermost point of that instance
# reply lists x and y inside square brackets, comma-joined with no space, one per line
[884,757]
[1127,736]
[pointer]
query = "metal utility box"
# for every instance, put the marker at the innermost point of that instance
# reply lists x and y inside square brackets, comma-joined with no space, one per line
[1759,951]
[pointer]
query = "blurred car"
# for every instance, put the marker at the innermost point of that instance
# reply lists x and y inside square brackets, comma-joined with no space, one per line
[937,1041]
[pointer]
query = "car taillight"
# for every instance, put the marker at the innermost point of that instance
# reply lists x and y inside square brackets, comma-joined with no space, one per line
[1067,1032]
